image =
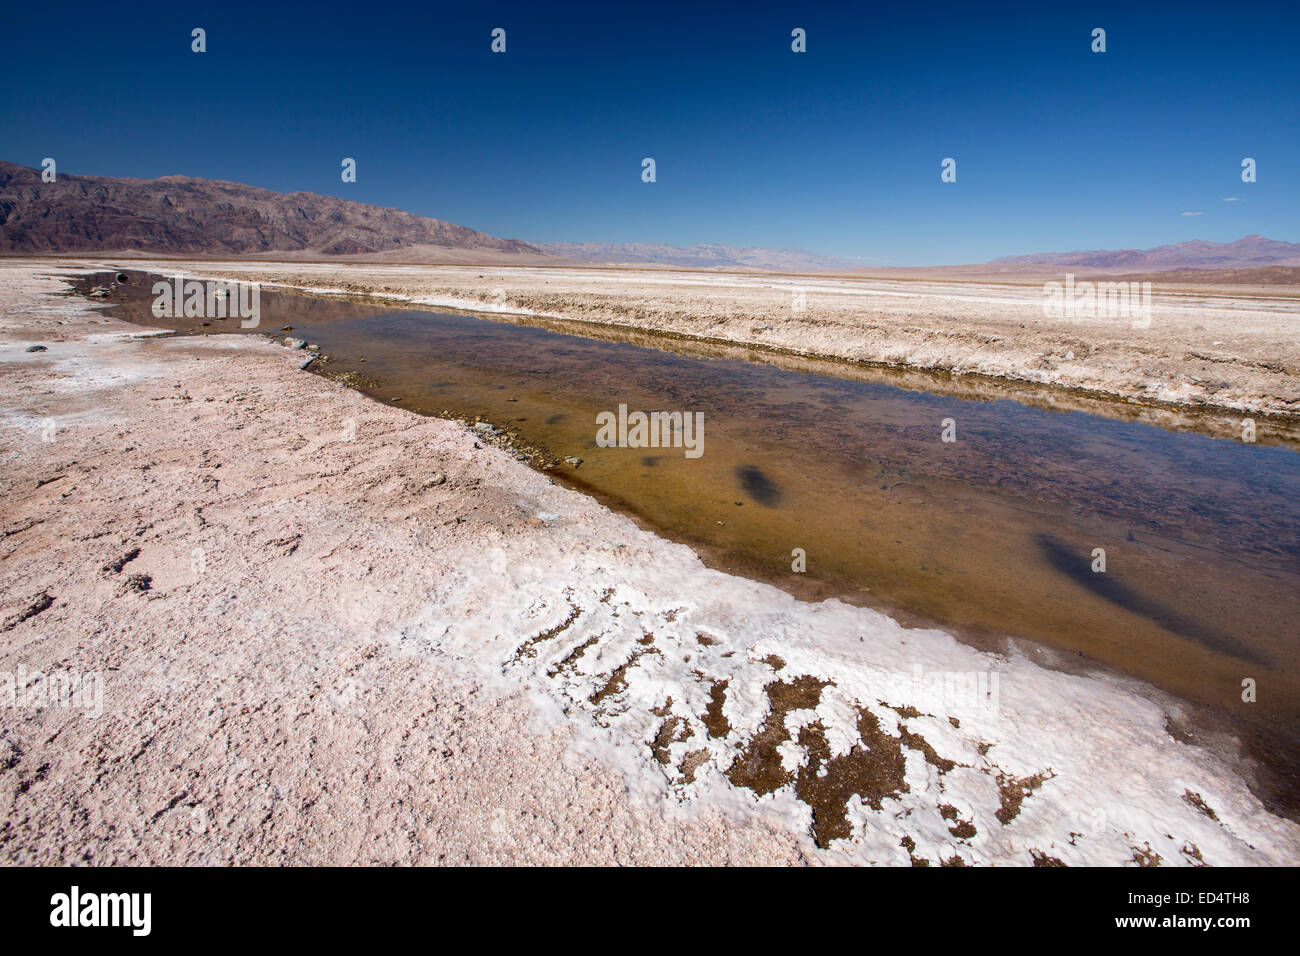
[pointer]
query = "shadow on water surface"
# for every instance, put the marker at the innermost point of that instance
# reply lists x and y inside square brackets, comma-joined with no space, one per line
[1078,569]
[758,486]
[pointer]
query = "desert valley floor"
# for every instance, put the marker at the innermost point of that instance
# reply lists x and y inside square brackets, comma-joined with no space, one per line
[334,630]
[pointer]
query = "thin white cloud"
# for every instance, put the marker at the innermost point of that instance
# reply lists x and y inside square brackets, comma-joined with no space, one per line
[1231,199]
[1191,214]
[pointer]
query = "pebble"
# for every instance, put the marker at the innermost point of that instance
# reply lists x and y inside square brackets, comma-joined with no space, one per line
[295,343]
[36,348]
[436,478]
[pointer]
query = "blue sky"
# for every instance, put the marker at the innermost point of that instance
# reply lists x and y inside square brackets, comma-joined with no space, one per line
[837,149]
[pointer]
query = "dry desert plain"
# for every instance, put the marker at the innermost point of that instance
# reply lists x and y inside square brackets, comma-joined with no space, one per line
[400,645]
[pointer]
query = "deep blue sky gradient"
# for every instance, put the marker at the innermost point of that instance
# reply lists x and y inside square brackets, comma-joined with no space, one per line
[835,150]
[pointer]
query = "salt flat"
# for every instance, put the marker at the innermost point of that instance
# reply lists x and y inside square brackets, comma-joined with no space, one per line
[315,653]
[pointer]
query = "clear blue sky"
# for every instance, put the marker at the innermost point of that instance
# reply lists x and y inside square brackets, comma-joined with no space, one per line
[835,150]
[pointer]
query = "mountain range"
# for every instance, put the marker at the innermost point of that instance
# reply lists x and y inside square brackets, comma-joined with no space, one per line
[185,216]
[1249,252]
[180,215]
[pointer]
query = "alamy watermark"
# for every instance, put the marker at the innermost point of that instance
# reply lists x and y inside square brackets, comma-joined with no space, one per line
[34,690]
[954,693]
[1093,300]
[626,429]
[133,911]
[210,299]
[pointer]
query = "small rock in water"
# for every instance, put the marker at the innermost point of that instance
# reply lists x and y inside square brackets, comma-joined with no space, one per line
[574,460]
[295,343]
[36,348]
[314,347]
[436,478]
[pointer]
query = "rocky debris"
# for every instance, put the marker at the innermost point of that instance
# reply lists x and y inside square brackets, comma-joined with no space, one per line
[435,479]
[307,361]
[42,603]
[35,348]
[136,583]
[295,343]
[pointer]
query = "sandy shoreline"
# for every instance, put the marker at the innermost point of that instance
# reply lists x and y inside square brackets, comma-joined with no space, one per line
[335,658]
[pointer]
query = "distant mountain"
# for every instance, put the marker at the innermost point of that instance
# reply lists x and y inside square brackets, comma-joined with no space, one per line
[180,215]
[1248,253]
[696,257]
[184,216]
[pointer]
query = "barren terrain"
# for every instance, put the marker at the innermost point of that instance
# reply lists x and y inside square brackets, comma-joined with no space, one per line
[1234,351]
[331,630]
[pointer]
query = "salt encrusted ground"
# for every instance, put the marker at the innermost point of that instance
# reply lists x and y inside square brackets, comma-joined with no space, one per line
[314,653]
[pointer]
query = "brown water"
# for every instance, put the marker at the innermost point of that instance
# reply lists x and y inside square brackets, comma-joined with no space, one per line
[991,535]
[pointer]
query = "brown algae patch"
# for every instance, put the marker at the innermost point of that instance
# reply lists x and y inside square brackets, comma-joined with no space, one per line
[1042,859]
[673,730]
[758,767]
[691,763]
[529,647]
[572,657]
[918,743]
[1145,856]
[961,829]
[617,682]
[1197,801]
[1014,790]
[714,720]
[871,771]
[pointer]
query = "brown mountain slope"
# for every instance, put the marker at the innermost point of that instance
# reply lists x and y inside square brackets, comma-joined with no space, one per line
[180,215]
